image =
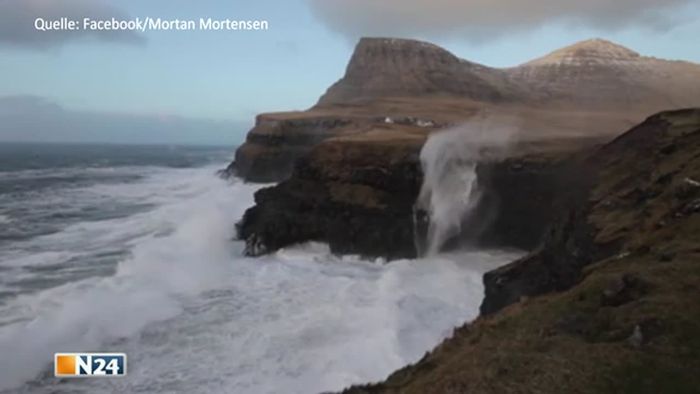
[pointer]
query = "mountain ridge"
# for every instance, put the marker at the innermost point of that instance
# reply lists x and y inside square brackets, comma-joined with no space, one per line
[390,66]
[584,49]
[591,73]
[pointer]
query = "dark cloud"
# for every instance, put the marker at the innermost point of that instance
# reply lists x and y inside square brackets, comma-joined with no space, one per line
[17,22]
[484,19]
[37,119]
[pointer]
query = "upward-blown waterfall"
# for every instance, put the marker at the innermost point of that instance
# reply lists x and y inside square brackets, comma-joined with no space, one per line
[450,189]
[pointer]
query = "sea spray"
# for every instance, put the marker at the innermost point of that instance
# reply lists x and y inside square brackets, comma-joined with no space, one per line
[195,316]
[178,249]
[450,190]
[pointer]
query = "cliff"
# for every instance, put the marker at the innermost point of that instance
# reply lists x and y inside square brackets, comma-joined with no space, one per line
[356,194]
[278,140]
[607,303]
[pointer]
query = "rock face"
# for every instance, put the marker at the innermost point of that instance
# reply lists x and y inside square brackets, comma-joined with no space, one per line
[608,302]
[278,140]
[521,197]
[630,173]
[356,194]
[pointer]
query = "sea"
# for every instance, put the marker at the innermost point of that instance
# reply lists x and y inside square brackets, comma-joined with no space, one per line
[126,248]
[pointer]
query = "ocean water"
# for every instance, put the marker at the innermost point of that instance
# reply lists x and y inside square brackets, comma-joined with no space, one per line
[130,249]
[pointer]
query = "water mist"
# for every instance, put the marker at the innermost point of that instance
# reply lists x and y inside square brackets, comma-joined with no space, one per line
[450,190]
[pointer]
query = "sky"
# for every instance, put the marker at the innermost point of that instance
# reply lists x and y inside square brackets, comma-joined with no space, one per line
[207,86]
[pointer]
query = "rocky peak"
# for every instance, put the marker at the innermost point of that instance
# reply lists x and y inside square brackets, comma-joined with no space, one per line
[601,74]
[386,67]
[594,51]
[390,55]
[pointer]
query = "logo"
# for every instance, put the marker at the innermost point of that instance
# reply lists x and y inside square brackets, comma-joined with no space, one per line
[75,365]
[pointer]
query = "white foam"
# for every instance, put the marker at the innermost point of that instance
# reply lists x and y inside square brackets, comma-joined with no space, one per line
[194,316]
[292,324]
[84,315]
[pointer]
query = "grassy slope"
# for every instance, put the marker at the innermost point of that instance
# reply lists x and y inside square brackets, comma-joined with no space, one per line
[632,324]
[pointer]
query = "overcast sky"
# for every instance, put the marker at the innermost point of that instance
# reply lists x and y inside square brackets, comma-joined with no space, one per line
[210,85]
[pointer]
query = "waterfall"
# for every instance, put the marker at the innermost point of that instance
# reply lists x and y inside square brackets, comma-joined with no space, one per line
[450,189]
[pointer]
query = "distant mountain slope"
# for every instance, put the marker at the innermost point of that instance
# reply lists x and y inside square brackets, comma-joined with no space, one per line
[386,67]
[591,74]
[599,73]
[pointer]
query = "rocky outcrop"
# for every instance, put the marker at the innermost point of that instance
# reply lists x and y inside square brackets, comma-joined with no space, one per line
[355,193]
[581,234]
[278,140]
[607,303]
[358,194]
[521,196]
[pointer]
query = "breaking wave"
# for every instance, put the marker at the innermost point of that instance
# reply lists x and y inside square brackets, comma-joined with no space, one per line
[167,285]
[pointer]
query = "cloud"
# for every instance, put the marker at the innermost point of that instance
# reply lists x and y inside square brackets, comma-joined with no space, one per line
[26,105]
[484,19]
[27,118]
[17,22]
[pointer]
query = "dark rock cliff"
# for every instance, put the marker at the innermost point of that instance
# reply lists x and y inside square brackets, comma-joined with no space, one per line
[356,195]
[278,140]
[520,197]
[623,175]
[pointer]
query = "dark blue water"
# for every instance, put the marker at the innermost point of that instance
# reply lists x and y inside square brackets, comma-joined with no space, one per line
[37,181]
[31,156]
[47,188]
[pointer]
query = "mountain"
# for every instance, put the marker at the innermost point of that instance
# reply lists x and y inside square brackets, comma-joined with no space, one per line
[593,73]
[386,67]
[592,88]
[598,73]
